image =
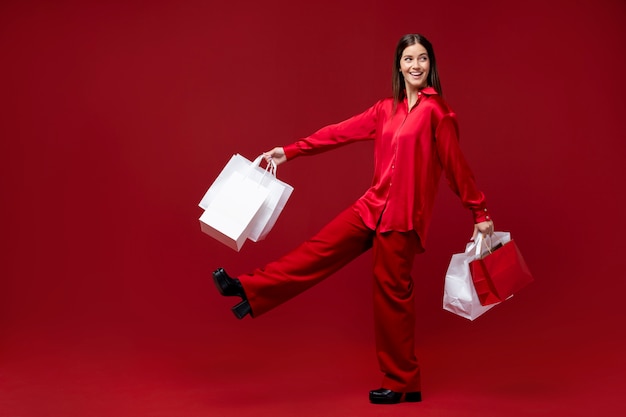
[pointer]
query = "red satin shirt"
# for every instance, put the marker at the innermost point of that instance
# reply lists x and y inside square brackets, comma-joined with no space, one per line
[411,150]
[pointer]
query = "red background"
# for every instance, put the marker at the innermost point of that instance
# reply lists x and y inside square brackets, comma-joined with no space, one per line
[117,116]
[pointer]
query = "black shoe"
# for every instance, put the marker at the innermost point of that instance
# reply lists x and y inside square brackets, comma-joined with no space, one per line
[387,396]
[226,285]
[232,287]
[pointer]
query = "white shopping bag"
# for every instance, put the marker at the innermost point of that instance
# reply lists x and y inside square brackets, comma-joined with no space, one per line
[232,203]
[459,295]
[279,193]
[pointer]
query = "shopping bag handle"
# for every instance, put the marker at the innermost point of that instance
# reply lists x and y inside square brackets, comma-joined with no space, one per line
[480,240]
[271,166]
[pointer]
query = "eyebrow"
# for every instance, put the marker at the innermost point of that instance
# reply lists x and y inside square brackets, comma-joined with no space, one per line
[409,55]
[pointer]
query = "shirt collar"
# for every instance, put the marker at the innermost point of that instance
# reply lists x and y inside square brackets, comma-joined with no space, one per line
[429,91]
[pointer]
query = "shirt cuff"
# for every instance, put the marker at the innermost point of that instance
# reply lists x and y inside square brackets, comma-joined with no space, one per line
[481,215]
[291,151]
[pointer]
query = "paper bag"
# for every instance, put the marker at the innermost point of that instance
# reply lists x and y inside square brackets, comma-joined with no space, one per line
[279,193]
[232,203]
[500,273]
[459,296]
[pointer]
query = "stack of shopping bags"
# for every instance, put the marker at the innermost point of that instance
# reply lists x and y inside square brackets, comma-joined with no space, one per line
[490,271]
[243,202]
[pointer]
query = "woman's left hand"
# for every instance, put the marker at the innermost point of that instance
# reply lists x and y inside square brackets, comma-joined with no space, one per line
[485,228]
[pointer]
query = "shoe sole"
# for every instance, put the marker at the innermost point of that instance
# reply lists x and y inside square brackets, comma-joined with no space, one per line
[409,397]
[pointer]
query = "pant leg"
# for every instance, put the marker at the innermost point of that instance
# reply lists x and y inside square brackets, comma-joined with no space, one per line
[338,243]
[394,309]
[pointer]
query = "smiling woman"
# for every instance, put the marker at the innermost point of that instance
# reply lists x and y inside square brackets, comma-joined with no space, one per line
[415,135]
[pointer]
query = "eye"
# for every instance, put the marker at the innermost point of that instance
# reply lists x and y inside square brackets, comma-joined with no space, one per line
[407,59]
[423,58]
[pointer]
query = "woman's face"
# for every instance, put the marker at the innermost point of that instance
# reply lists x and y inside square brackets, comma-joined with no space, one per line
[415,66]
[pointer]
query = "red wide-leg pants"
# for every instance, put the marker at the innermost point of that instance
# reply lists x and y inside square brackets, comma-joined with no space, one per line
[338,243]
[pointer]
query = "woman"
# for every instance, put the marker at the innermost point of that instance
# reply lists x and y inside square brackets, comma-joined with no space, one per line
[416,139]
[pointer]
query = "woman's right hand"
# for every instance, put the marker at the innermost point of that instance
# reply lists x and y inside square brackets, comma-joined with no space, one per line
[277,155]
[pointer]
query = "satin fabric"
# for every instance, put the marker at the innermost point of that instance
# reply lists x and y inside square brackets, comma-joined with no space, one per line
[334,246]
[413,147]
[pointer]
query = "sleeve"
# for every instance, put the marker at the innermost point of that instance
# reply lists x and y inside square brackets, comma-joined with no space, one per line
[356,128]
[458,173]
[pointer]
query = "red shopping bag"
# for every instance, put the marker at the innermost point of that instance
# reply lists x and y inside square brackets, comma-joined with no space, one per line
[500,274]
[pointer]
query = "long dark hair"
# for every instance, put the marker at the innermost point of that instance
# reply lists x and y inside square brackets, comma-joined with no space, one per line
[397,81]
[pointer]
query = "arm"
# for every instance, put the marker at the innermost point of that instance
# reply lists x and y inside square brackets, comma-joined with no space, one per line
[459,175]
[359,127]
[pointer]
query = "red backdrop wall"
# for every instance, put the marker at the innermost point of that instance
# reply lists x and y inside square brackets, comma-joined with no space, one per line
[116,117]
